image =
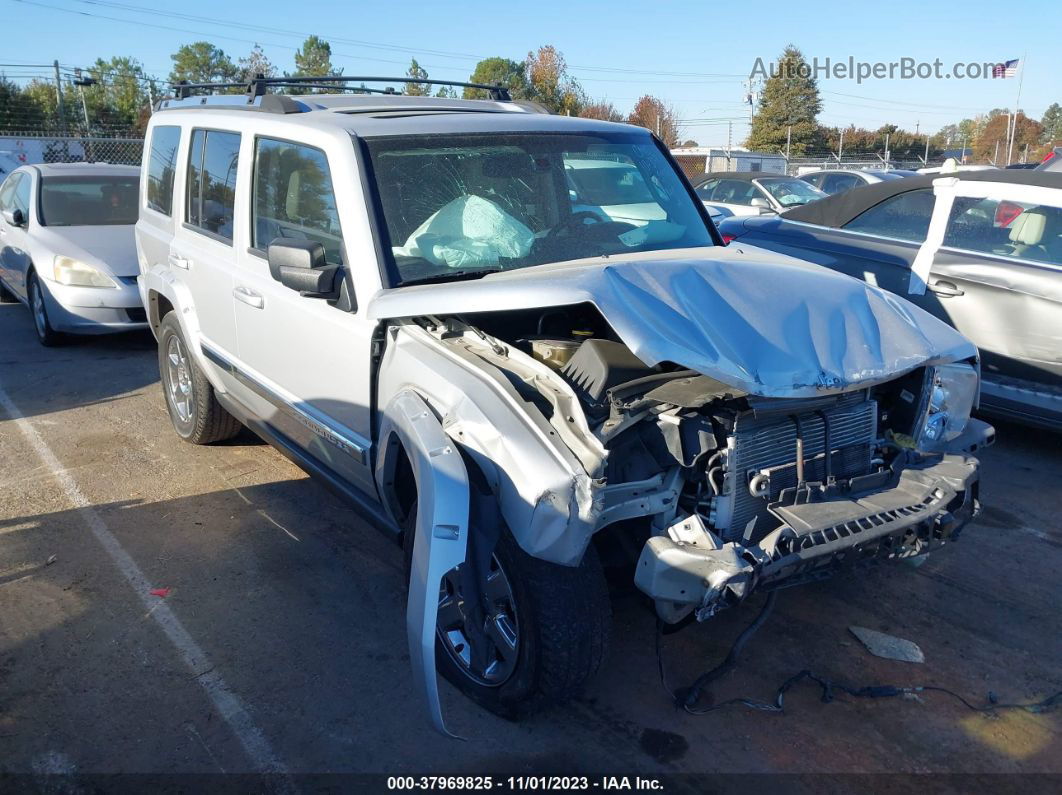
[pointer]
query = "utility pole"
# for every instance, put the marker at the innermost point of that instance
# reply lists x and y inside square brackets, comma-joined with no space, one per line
[995,155]
[840,148]
[1025,154]
[886,151]
[81,82]
[788,140]
[925,160]
[1017,102]
[729,138]
[59,97]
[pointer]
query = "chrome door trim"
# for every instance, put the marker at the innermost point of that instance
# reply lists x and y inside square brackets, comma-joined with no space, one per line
[341,438]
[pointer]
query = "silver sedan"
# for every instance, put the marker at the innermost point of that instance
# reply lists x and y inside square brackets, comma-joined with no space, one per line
[67,249]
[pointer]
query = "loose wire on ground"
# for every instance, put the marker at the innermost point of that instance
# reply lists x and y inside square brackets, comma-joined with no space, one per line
[687,698]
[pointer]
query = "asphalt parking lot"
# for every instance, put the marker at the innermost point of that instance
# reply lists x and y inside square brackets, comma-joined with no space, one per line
[280,644]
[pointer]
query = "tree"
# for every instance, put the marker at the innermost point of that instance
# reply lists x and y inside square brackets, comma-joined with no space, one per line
[1052,124]
[689,143]
[18,111]
[550,83]
[1027,132]
[499,71]
[790,99]
[314,59]
[605,111]
[653,114]
[256,63]
[417,72]
[202,62]
[118,93]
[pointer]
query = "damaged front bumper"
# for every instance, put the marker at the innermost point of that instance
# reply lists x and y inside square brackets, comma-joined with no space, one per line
[917,506]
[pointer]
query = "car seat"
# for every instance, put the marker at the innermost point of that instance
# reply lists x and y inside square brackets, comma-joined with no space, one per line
[1037,234]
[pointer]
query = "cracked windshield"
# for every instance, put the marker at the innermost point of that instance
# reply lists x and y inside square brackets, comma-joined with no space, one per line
[465,206]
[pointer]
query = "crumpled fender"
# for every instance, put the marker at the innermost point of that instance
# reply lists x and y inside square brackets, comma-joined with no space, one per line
[441,533]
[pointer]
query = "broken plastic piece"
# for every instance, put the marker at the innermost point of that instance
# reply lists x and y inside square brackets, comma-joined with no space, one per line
[888,646]
[161,592]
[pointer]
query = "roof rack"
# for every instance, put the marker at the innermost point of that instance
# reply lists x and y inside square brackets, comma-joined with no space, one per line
[257,85]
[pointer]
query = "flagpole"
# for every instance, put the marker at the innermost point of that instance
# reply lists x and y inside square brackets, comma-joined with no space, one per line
[1014,124]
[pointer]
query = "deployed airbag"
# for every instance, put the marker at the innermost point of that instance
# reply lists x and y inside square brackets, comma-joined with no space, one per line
[468,232]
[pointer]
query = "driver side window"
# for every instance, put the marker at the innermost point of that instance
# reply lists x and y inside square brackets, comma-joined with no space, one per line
[7,191]
[293,197]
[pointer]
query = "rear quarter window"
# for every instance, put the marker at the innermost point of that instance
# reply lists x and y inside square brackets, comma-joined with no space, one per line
[162,163]
[904,216]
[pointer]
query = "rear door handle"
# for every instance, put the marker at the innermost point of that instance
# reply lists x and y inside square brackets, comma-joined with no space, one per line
[945,289]
[179,262]
[249,297]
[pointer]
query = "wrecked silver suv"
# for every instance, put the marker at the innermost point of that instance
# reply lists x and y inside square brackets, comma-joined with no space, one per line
[514,338]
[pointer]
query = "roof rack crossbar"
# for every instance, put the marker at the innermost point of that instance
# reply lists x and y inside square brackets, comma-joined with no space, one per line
[257,86]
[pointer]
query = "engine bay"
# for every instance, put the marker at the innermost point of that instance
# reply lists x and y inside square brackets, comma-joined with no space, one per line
[731,455]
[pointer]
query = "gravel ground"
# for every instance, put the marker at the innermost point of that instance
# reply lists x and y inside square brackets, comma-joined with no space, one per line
[281,645]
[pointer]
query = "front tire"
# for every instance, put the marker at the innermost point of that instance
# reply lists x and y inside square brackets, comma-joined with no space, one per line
[46,335]
[194,410]
[553,620]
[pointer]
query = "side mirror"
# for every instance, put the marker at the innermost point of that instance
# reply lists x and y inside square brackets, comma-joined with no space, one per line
[761,203]
[15,217]
[300,265]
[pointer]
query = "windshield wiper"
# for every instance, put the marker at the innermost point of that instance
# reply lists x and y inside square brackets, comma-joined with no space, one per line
[451,276]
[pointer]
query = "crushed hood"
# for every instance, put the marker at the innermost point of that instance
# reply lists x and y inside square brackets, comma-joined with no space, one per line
[762,322]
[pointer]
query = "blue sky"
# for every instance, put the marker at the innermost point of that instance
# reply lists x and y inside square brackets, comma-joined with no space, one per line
[692,54]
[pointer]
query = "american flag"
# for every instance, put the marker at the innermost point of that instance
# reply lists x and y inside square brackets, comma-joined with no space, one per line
[1006,69]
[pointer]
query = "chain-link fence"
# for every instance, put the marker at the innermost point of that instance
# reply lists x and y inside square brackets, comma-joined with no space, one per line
[21,149]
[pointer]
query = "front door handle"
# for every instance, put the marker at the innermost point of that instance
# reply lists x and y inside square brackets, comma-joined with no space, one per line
[249,297]
[945,289]
[179,262]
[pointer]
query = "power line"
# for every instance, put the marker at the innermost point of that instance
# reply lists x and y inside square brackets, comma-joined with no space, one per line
[377,45]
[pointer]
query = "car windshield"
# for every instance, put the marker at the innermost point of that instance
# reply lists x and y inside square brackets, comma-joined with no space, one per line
[457,206]
[88,201]
[791,192]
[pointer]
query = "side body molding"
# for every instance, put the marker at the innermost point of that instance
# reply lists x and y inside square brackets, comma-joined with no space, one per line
[441,535]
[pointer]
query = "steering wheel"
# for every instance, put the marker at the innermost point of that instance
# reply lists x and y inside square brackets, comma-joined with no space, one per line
[572,221]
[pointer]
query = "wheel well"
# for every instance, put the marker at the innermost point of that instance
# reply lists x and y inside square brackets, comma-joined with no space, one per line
[158,307]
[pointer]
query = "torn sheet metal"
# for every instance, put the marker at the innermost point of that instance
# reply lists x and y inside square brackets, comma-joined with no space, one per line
[549,501]
[764,323]
[441,538]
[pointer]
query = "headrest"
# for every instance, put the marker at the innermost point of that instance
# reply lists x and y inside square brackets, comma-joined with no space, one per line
[291,203]
[1028,228]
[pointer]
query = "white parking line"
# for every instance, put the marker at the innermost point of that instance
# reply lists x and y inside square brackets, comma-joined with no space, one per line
[227,703]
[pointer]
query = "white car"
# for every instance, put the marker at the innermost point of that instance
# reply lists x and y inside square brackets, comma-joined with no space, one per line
[729,193]
[838,180]
[67,249]
[401,294]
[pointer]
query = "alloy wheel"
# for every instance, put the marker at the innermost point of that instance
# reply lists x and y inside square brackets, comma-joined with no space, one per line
[493,665]
[179,388]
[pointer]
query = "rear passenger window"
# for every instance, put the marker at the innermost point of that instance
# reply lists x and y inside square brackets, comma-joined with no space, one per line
[212,162]
[904,217]
[293,197]
[161,166]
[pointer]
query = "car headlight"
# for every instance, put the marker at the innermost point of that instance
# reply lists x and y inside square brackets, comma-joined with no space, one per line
[79,274]
[952,393]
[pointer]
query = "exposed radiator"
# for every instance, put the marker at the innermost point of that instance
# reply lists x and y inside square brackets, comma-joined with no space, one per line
[768,445]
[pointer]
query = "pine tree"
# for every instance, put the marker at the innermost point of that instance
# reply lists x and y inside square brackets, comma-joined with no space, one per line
[790,99]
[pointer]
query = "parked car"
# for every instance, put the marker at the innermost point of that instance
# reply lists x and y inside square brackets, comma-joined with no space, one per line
[729,193]
[1052,160]
[67,249]
[837,180]
[402,295]
[993,270]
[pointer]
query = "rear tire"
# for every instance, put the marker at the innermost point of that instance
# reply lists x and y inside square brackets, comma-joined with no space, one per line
[46,335]
[562,618]
[194,410]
